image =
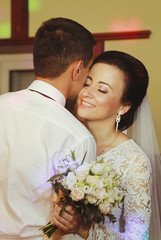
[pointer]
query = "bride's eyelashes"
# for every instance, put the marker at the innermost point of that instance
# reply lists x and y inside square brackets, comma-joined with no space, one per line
[102,88]
[102,91]
[86,85]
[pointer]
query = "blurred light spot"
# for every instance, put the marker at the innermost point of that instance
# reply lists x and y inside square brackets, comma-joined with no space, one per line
[5,30]
[34,5]
[3,15]
[129,25]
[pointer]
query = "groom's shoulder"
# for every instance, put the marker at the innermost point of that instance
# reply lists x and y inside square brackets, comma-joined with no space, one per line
[74,124]
[70,122]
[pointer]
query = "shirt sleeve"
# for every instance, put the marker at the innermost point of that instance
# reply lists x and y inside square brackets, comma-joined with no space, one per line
[137,204]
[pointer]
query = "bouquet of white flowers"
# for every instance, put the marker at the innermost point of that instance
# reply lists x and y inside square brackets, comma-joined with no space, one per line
[93,189]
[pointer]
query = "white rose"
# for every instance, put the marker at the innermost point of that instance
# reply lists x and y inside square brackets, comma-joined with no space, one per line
[97,168]
[91,199]
[90,179]
[94,182]
[118,194]
[99,183]
[84,168]
[87,189]
[76,194]
[110,195]
[100,193]
[83,171]
[81,175]
[69,181]
[105,207]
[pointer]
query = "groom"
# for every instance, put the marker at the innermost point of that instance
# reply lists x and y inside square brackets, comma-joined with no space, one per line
[36,131]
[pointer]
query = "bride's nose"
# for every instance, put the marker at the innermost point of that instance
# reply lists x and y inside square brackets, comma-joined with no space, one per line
[88,92]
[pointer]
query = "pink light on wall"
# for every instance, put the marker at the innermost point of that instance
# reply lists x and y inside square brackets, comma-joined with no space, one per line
[125,25]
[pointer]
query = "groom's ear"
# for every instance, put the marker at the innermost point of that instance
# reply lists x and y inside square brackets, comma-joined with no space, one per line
[77,66]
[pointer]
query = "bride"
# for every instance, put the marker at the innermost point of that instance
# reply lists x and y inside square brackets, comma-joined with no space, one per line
[115,89]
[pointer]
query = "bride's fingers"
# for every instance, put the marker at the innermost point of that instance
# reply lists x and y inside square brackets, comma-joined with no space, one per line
[71,210]
[69,214]
[63,223]
[59,224]
[65,219]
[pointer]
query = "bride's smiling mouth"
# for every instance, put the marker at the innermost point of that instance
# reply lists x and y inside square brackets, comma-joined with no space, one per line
[86,104]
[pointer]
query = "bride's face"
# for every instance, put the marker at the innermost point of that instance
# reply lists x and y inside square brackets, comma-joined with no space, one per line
[100,98]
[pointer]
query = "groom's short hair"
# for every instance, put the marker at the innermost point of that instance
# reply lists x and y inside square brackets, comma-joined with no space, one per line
[58,43]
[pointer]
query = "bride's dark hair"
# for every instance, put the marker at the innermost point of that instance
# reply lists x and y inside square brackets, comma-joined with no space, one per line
[136,81]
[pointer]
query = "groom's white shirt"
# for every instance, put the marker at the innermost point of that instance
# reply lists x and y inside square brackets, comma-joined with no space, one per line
[35,132]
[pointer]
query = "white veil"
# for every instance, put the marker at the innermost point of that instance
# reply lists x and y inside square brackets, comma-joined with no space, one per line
[143,133]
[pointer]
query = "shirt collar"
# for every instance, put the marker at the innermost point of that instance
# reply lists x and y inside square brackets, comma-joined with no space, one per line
[48,90]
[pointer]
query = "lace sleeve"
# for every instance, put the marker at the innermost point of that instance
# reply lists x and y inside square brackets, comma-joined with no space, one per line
[137,203]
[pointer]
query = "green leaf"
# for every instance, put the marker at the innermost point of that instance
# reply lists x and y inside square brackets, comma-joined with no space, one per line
[111,217]
[56,176]
[84,157]
[101,160]
[56,187]
[73,155]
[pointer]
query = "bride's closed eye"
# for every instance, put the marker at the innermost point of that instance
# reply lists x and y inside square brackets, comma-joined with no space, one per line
[102,88]
[88,81]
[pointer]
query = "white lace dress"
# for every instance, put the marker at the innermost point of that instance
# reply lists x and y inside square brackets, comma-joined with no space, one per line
[133,218]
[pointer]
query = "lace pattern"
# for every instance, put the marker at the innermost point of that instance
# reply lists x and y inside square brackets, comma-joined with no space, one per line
[133,218]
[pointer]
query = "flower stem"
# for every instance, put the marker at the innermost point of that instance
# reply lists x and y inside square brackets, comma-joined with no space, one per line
[49,229]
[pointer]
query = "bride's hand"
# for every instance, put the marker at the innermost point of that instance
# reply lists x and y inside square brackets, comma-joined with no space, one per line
[68,222]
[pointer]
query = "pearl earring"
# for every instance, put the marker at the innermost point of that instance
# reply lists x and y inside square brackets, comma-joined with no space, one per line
[118,119]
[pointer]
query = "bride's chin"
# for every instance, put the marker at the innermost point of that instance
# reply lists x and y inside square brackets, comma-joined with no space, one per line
[81,118]
[81,115]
